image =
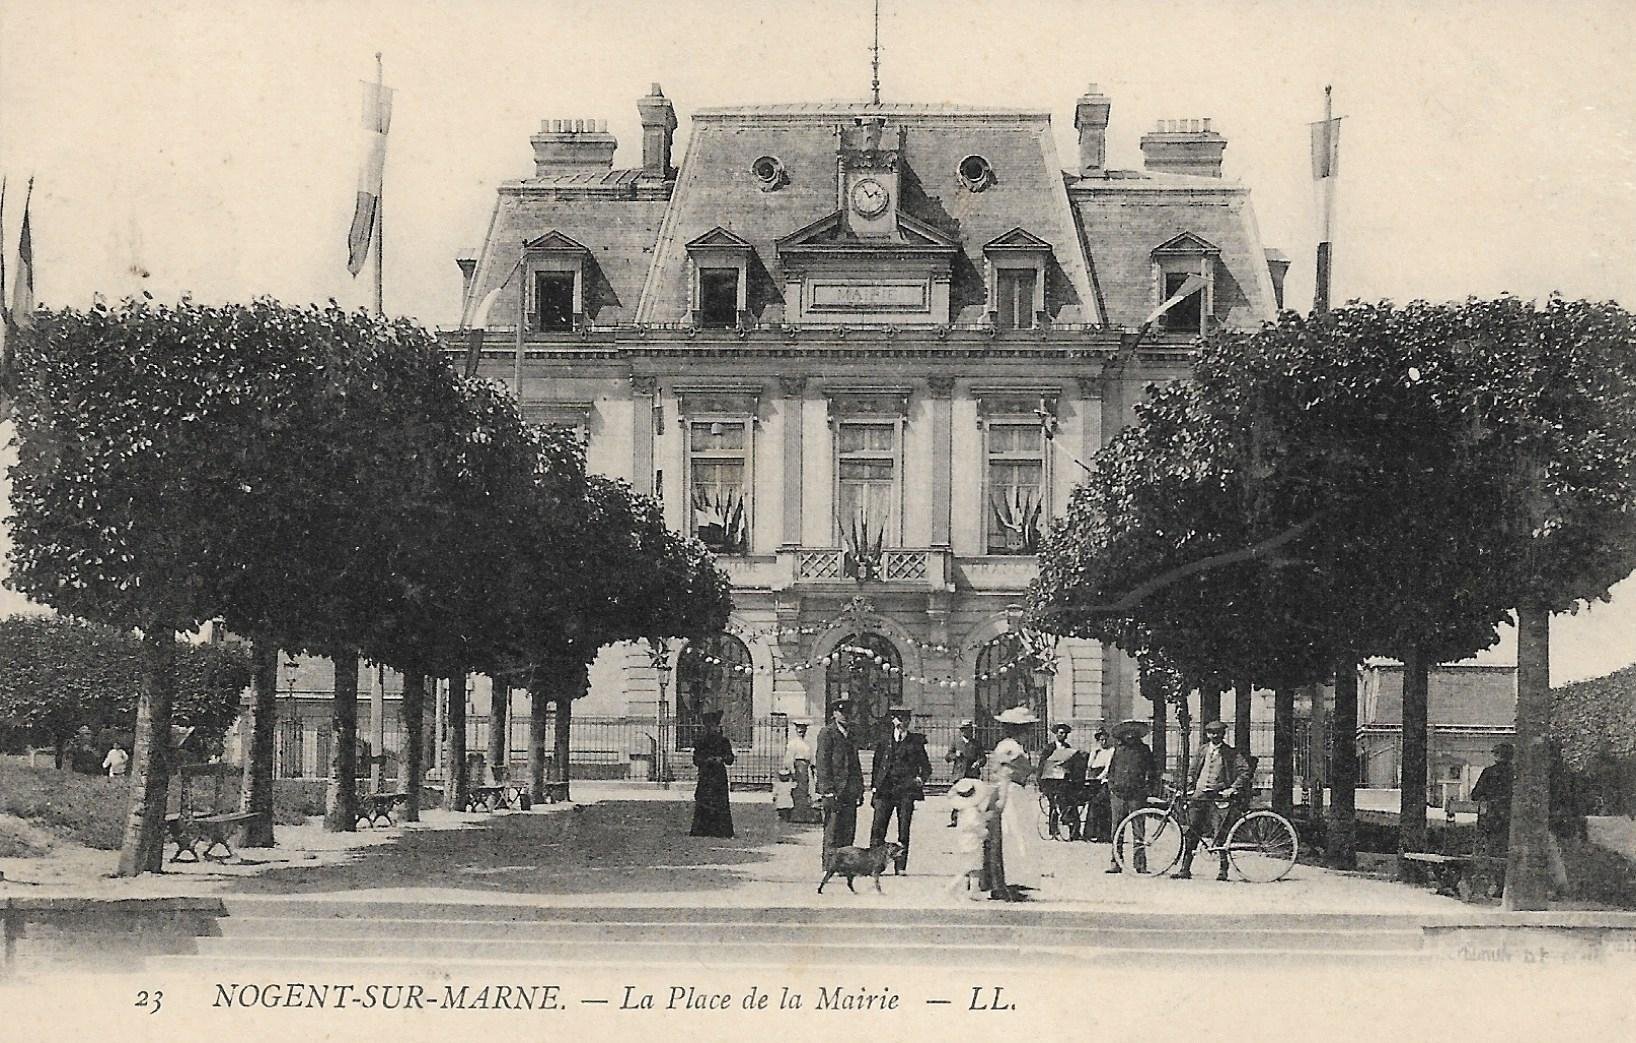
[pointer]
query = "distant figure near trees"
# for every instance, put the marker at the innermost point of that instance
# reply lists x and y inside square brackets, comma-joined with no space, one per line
[712,753]
[116,761]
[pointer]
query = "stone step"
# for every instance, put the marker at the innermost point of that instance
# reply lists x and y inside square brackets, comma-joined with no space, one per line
[311,959]
[425,931]
[846,910]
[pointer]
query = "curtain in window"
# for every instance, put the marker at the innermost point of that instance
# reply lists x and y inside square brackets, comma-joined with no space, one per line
[1016,488]
[720,499]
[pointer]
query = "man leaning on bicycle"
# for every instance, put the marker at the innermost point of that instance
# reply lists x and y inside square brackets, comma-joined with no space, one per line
[1220,787]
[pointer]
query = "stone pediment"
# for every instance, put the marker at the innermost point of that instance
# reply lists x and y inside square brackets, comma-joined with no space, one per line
[556,241]
[1187,243]
[1017,239]
[830,233]
[718,238]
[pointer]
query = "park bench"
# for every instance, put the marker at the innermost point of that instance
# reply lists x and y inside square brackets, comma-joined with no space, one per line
[211,820]
[188,831]
[374,808]
[493,798]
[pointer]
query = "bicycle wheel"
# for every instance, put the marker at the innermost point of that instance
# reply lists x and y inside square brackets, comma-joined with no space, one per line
[1043,823]
[1148,842]
[1262,847]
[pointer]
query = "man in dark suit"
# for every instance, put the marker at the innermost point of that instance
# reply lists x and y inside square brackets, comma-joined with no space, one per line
[898,777]
[840,779]
[1221,782]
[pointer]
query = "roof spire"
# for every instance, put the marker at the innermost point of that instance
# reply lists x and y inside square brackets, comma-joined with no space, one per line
[874,63]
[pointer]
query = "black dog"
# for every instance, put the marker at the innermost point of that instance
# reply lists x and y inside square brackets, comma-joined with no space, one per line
[853,862]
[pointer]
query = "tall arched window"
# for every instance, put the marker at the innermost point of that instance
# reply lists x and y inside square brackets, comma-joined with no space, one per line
[867,669]
[1005,678]
[714,674]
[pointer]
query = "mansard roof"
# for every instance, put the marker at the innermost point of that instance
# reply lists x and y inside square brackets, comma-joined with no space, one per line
[716,186]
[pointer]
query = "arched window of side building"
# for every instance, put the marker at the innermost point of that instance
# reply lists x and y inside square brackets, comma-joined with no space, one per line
[714,674]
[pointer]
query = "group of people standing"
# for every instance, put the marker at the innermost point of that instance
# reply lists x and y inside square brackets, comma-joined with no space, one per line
[991,809]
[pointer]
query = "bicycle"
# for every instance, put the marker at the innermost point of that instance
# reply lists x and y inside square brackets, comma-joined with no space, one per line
[1261,846]
[1074,799]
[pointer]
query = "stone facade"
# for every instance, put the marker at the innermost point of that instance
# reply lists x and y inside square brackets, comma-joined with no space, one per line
[861,350]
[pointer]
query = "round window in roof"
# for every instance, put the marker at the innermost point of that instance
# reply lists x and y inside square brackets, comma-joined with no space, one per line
[975,173]
[768,172]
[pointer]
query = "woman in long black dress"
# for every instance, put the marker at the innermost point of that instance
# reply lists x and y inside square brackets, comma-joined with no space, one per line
[712,753]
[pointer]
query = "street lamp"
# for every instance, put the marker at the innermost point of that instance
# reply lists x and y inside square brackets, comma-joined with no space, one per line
[660,660]
[290,667]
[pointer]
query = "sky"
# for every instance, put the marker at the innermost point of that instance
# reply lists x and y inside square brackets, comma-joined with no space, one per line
[212,148]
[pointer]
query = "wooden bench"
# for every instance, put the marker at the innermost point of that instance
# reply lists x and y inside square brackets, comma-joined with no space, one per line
[373,808]
[188,831]
[1461,876]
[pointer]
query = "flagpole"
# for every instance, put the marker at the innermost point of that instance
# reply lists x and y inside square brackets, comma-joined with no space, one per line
[1320,290]
[5,309]
[522,316]
[380,211]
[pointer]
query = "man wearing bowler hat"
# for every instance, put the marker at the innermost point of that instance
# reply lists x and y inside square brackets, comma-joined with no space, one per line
[840,779]
[898,776]
[1221,780]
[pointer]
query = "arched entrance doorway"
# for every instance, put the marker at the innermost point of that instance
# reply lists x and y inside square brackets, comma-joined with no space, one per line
[1005,677]
[714,674]
[866,668]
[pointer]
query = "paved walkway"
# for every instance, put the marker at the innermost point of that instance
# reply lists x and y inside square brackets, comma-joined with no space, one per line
[627,844]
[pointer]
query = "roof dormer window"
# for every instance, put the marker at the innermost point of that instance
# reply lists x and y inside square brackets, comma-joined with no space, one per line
[556,283]
[1184,284]
[721,275]
[1016,264]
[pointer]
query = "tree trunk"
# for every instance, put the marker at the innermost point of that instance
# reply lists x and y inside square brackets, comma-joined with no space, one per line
[1243,700]
[341,807]
[1342,834]
[1316,762]
[1411,828]
[457,786]
[1161,729]
[414,742]
[573,686]
[143,850]
[1209,708]
[59,755]
[1527,871]
[1283,750]
[257,795]
[537,703]
[499,728]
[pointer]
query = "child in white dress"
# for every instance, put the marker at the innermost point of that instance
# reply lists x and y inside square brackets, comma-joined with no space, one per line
[972,801]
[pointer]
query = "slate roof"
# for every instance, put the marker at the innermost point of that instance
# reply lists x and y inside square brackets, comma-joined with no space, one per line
[618,231]
[1102,229]
[716,187]
[1457,696]
[1126,215]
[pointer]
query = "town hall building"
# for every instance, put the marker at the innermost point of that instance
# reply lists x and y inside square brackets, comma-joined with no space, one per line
[862,351]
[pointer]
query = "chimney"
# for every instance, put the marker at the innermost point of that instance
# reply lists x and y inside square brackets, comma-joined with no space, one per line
[1183,147]
[1091,120]
[1277,267]
[467,260]
[658,129]
[573,147]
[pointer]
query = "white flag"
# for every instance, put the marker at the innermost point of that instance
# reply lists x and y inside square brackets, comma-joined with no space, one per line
[377,120]
[1191,285]
[1326,165]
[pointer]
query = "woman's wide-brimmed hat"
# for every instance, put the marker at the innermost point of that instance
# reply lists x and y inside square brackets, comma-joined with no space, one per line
[1136,728]
[964,789]
[1017,715]
[800,722]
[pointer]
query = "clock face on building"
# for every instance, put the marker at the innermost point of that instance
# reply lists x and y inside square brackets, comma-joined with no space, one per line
[870,197]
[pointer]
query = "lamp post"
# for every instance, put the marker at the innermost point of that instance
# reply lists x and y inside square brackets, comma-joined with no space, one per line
[290,667]
[660,660]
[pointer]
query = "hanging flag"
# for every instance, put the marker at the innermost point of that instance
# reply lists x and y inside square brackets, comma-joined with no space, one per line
[22,285]
[1191,285]
[1326,162]
[377,121]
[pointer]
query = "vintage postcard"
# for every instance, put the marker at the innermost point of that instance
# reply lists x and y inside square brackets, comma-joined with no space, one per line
[896,520]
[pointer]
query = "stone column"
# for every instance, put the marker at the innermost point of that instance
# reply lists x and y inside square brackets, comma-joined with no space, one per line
[794,409]
[942,393]
[644,390]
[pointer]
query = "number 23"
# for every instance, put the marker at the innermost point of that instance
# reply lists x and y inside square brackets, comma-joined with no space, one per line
[151,1000]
